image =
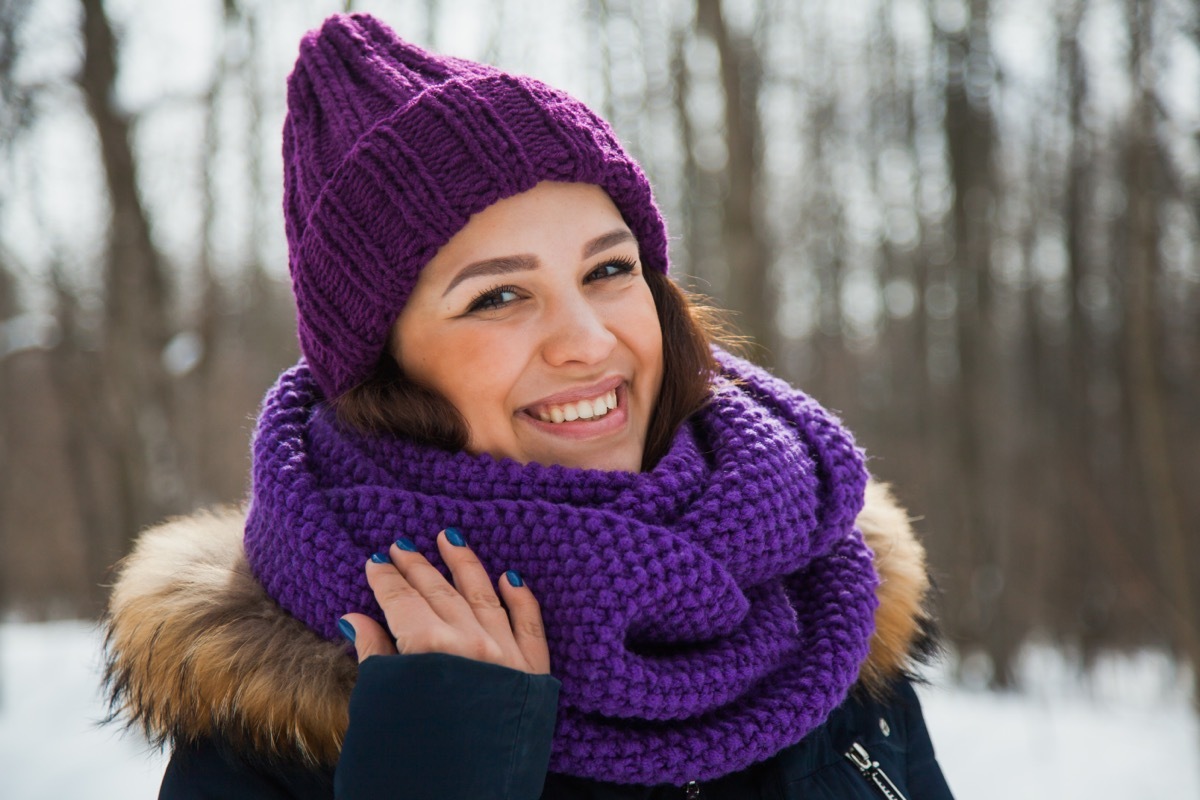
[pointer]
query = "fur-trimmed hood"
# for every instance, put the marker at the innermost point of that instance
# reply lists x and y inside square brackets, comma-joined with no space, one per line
[196,646]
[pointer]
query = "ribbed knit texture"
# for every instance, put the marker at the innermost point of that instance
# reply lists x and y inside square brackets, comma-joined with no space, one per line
[388,150]
[701,616]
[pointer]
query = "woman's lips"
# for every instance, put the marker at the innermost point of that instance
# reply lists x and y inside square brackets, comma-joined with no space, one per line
[611,422]
[595,407]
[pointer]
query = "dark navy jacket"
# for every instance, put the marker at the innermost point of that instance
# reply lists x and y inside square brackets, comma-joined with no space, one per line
[445,727]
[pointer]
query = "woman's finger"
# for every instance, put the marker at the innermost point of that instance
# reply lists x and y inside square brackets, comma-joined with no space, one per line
[368,636]
[408,614]
[473,584]
[526,620]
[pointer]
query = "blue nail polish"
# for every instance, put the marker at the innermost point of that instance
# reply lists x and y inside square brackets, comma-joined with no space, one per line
[346,628]
[380,558]
[514,578]
[455,537]
[404,543]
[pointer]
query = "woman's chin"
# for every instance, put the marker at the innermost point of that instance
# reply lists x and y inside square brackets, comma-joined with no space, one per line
[624,456]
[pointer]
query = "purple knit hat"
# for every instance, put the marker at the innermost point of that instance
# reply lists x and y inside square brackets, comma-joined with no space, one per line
[388,150]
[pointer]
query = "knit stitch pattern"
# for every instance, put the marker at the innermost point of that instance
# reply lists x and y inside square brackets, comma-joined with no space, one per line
[388,150]
[701,616]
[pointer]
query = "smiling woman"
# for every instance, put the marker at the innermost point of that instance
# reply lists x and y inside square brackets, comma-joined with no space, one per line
[416,389]
[679,579]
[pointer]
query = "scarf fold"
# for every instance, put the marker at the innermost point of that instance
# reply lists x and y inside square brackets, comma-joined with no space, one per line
[701,616]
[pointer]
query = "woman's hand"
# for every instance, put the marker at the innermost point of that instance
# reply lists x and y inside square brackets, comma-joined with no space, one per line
[426,614]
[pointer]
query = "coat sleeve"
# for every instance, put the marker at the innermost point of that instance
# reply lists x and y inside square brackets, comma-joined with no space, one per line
[434,725]
[421,726]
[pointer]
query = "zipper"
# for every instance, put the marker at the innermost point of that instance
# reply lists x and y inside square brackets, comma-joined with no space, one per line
[869,769]
[691,790]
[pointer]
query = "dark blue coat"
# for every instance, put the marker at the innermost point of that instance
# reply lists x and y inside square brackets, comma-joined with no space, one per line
[445,727]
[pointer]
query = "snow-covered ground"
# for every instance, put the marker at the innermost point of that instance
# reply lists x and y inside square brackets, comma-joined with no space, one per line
[51,745]
[1125,732]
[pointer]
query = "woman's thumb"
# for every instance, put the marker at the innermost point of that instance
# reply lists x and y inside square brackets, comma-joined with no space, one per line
[368,636]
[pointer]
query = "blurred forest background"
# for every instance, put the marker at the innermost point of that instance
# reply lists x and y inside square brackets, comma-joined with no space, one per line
[970,226]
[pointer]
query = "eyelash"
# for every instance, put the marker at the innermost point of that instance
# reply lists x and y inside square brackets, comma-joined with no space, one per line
[624,265]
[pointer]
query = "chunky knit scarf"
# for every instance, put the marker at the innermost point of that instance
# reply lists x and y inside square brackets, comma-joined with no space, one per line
[701,616]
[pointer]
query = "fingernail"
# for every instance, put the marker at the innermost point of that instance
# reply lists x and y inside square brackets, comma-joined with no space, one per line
[380,558]
[404,543]
[514,578]
[346,628]
[455,537]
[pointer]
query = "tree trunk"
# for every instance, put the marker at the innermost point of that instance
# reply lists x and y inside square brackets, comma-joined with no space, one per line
[132,403]
[1148,406]
[749,293]
[970,140]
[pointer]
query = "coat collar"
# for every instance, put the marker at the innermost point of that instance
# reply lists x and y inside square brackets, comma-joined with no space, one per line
[195,646]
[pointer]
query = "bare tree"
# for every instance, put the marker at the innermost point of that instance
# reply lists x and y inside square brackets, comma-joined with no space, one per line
[748,292]
[1143,160]
[14,114]
[129,406]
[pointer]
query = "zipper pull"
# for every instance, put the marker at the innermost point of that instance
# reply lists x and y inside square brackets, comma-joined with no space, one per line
[691,790]
[869,769]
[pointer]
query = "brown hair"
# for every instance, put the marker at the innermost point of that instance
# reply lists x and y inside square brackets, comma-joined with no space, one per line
[390,402]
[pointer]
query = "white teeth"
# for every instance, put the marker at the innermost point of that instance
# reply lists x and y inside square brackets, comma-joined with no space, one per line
[584,409]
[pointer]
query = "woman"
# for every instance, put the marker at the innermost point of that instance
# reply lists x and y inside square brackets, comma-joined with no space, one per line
[658,579]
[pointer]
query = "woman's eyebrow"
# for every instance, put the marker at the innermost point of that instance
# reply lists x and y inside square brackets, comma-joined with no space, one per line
[493,266]
[605,241]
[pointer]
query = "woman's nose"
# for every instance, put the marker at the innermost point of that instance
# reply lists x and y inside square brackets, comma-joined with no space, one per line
[578,333]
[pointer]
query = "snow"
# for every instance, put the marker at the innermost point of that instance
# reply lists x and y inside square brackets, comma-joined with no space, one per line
[1126,731]
[1019,746]
[51,744]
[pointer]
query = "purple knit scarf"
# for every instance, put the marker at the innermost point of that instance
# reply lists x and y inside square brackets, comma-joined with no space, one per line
[702,616]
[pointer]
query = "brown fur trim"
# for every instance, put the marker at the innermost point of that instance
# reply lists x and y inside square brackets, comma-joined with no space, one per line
[901,619]
[195,645]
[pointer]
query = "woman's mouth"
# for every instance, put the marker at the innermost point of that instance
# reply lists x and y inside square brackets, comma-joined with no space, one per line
[593,408]
[602,414]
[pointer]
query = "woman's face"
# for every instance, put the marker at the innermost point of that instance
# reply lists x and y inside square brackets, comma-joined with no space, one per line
[536,323]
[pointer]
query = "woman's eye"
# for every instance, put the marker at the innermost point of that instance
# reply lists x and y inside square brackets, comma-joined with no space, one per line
[610,269]
[493,299]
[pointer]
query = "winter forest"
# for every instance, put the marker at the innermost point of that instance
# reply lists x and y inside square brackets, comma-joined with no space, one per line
[970,226]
